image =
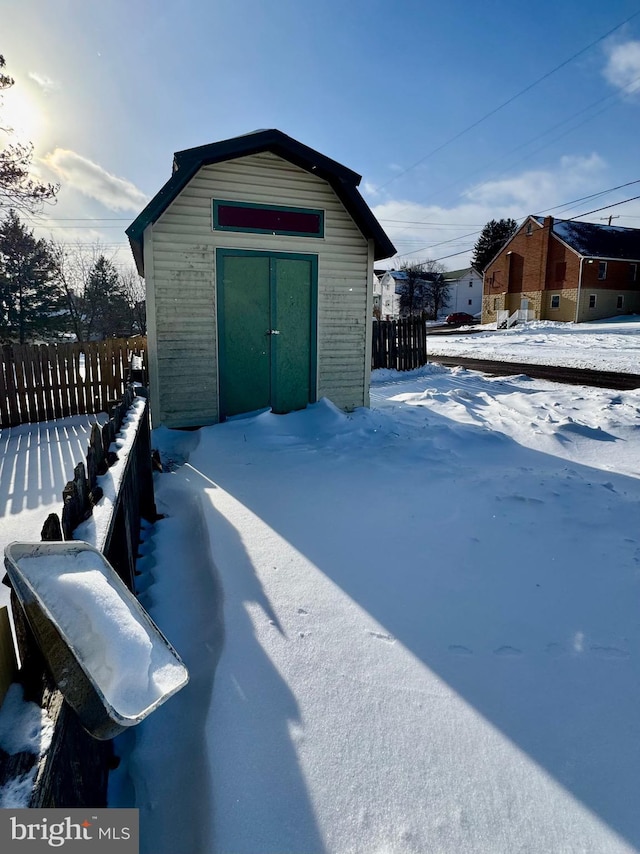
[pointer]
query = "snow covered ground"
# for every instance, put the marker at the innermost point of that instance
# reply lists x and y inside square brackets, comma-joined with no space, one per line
[423,618]
[607,345]
[36,461]
[431,626]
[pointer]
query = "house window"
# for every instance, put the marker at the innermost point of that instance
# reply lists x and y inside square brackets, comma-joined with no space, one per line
[555,301]
[561,271]
[602,270]
[620,302]
[633,272]
[470,284]
[470,302]
[529,230]
[592,300]
[267,219]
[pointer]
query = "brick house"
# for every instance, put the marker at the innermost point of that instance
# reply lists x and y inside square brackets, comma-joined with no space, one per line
[565,270]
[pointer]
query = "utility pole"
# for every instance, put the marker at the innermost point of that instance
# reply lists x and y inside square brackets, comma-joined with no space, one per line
[610,217]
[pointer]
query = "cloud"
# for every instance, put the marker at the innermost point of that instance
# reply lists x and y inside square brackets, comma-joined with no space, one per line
[540,188]
[623,66]
[93,181]
[45,83]
[436,231]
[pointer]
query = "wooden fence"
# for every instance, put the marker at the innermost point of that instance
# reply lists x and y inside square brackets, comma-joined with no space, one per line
[399,344]
[74,769]
[40,382]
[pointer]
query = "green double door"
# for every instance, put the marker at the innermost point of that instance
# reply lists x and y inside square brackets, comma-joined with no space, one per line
[266,330]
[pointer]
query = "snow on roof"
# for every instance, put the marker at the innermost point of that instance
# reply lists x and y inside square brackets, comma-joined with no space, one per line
[598,241]
[455,275]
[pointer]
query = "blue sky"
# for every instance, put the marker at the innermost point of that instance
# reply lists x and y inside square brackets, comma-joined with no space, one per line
[109,91]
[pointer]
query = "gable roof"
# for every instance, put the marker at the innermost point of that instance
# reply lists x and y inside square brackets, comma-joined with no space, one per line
[186,163]
[456,275]
[400,278]
[592,240]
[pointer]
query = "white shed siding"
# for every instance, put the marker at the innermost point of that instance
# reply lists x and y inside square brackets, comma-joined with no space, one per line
[182,259]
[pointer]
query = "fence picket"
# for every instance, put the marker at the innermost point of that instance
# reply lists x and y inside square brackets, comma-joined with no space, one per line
[42,382]
[399,344]
[57,354]
[24,380]
[104,362]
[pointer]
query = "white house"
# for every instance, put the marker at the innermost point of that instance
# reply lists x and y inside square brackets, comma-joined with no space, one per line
[385,297]
[465,290]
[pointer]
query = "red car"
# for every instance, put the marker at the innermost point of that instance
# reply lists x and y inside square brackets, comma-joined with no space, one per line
[459,318]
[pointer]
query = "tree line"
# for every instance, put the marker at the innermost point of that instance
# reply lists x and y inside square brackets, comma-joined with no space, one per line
[51,292]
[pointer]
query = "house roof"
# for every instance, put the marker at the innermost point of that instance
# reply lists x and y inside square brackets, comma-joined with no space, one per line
[592,240]
[456,275]
[186,163]
[400,279]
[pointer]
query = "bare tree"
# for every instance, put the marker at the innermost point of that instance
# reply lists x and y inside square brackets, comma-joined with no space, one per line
[74,267]
[100,300]
[437,290]
[423,291]
[135,290]
[412,289]
[18,190]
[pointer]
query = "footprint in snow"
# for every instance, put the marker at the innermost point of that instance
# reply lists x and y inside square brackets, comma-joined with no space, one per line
[457,649]
[303,612]
[609,652]
[381,636]
[507,651]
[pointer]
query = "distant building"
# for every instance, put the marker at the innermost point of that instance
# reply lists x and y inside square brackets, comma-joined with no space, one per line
[465,290]
[565,270]
[393,284]
[386,302]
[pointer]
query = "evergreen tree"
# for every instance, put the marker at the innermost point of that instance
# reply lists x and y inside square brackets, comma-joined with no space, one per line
[30,297]
[492,238]
[106,308]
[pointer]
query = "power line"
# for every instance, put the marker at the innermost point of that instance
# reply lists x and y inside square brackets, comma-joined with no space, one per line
[523,217]
[629,87]
[586,213]
[544,133]
[590,196]
[508,101]
[606,207]
[424,222]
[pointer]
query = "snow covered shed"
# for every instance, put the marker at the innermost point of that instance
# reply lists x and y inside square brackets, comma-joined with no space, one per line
[258,259]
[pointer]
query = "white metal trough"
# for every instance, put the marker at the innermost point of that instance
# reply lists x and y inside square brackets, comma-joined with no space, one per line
[110,661]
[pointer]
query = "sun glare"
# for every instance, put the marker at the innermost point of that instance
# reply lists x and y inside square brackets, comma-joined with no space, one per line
[20,114]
